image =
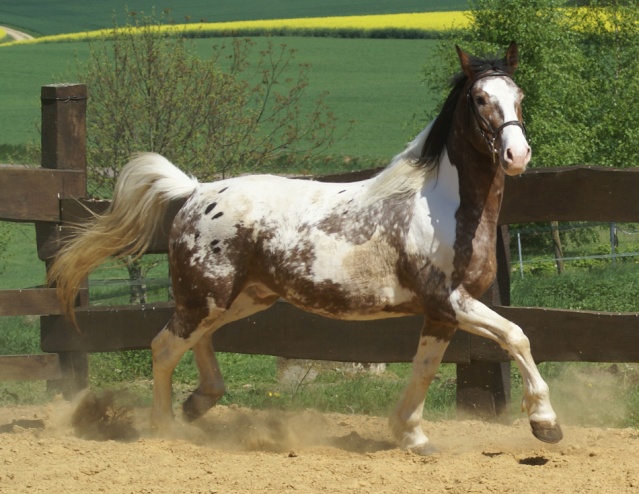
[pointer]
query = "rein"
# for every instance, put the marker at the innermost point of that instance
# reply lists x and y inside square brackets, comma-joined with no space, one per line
[488,133]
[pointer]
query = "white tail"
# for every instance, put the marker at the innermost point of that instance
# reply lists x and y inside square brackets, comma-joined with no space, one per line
[142,193]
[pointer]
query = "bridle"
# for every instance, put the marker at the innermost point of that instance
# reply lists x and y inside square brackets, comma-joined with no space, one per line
[488,133]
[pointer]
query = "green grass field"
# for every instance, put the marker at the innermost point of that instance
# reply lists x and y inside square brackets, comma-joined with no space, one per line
[375,83]
[78,15]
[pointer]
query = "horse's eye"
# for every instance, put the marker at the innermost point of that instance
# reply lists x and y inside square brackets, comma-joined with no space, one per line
[480,100]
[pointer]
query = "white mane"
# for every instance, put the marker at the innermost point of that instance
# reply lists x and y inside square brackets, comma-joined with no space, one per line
[402,174]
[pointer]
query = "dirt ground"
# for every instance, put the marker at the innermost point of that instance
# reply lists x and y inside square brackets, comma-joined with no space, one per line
[235,450]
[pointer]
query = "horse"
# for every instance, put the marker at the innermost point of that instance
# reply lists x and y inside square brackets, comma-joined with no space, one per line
[417,238]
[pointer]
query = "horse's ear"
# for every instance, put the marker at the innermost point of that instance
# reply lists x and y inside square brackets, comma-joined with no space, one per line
[512,57]
[464,60]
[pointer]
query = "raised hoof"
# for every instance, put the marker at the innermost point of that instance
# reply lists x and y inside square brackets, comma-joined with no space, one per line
[547,433]
[424,449]
[197,405]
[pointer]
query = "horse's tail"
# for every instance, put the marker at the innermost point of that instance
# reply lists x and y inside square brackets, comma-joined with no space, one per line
[142,193]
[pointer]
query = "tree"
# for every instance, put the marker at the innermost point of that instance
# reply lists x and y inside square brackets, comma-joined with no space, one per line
[214,116]
[609,31]
[579,71]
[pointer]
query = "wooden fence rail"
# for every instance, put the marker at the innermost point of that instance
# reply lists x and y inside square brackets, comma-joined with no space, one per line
[53,196]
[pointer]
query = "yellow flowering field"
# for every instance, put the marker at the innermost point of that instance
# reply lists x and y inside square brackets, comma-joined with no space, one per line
[426,21]
[363,25]
[415,25]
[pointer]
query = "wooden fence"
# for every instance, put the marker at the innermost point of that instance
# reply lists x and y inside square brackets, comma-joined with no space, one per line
[53,195]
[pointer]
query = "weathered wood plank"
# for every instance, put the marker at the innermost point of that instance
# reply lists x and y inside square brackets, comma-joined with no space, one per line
[282,330]
[483,388]
[29,302]
[555,335]
[29,367]
[63,148]
[572,194]
[348,177]
[33,194]
[558,335]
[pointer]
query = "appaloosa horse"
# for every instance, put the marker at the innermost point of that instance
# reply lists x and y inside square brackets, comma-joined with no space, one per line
[419,238]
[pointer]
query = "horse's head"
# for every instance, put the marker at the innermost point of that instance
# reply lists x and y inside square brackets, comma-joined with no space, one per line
[494,102]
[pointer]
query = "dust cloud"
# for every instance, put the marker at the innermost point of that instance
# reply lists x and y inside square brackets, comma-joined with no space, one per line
[591,395]
[109,416]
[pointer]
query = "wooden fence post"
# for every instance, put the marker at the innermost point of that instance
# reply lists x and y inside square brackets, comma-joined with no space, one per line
[483,388]
[64,148]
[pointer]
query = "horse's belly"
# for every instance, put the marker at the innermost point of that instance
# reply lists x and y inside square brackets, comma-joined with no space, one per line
[346,306]
[343,298]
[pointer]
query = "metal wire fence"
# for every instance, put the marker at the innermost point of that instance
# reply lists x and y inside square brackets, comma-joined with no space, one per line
[559,246]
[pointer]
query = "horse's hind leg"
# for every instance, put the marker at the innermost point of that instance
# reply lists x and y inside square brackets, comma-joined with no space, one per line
[406,420]
[167,349]
[186,328]
[475,317]
[211,386]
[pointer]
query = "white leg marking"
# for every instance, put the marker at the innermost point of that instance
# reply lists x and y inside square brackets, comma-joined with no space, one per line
[406,420]
[476,318]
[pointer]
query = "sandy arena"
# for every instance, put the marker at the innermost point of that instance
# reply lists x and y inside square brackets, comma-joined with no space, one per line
[234,450]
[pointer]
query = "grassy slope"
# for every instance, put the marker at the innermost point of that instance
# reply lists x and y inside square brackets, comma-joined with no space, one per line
[79,15]
[19,266]
[30,68]
[375,82]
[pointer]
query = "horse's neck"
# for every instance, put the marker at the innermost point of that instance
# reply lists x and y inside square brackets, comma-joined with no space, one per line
[481,184]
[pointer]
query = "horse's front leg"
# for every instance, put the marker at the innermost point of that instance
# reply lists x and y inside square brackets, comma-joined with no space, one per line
[476,318]
[406,420]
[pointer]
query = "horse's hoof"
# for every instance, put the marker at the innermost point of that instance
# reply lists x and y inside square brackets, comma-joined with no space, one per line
[548,433]
[424,450]
[197,405]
